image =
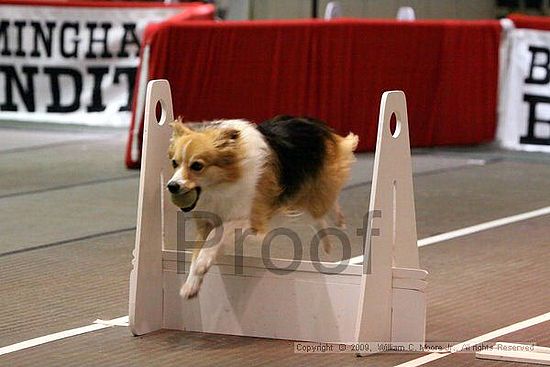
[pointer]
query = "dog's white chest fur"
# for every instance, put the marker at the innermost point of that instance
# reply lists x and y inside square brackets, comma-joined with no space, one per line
[233,201]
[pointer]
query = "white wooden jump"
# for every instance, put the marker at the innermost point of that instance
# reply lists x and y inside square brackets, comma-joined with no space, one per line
[382,300]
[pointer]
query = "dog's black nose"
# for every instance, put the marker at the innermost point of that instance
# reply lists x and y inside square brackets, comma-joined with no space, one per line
[173,187]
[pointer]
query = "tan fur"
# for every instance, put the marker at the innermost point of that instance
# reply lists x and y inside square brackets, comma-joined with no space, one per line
[218,150]
[254,195]
[317,196]
[265,203]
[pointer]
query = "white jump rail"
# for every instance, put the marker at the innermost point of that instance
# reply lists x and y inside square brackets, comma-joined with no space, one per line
[382,300]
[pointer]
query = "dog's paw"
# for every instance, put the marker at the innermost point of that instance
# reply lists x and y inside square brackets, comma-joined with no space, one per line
[191,287]
[339,218]
[340,221]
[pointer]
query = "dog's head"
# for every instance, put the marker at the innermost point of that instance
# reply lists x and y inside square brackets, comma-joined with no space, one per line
[202,159]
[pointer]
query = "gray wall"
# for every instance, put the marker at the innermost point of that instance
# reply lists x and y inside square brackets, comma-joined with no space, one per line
[425,9]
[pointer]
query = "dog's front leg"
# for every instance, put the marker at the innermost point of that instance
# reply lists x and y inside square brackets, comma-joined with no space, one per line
[204,257]
[194,279]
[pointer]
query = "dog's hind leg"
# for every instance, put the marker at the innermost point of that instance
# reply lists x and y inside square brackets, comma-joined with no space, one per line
[321,226]
[339,218]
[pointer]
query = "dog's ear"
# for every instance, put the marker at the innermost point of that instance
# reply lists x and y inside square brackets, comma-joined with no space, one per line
[179,128]
[227,137]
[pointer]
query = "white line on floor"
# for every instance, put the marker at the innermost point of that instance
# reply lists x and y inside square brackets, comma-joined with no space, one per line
[477,340]
[97,325]
[473,229]
[120,321]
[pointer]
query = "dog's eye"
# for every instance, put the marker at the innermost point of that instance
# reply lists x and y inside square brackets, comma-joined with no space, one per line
[196,166]
[174,163]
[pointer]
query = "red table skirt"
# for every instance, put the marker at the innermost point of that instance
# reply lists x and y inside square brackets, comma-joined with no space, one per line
[336,71]
[530,21]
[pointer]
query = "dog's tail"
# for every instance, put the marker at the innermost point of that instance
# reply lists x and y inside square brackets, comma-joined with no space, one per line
[346,147]
[349,143]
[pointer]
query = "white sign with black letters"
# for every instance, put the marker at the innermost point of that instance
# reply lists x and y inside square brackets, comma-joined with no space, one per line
[71,64]
[524,118]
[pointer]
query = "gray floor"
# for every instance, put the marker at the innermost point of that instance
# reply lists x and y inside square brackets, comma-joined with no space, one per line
[67,224]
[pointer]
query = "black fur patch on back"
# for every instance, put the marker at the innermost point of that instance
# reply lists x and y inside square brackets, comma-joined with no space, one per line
[300,146]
